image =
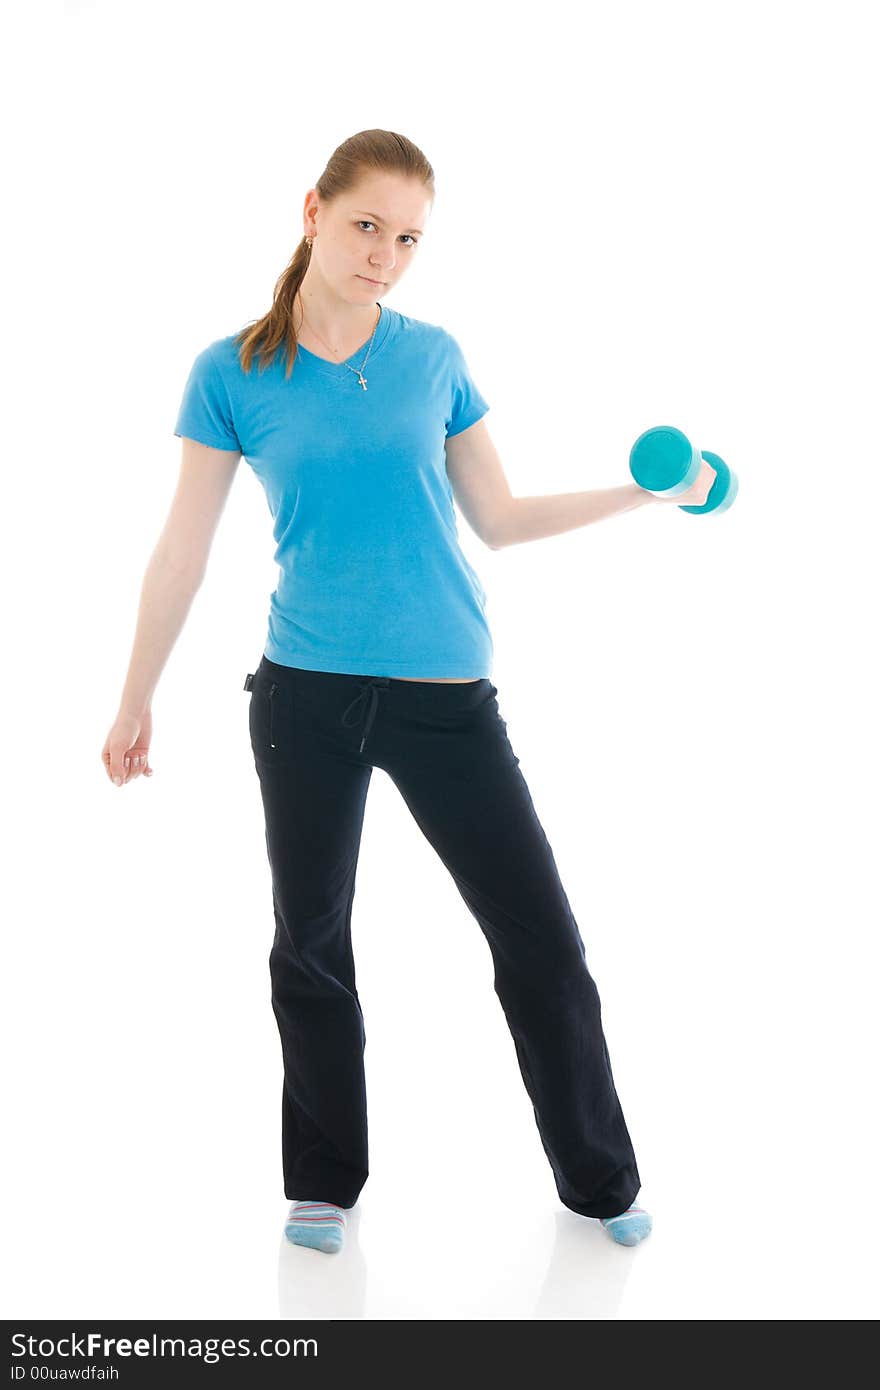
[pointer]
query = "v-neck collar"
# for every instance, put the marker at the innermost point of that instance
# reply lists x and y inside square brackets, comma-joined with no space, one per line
[355,361]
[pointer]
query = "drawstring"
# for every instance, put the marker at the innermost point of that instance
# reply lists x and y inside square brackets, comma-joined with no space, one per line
[368,687]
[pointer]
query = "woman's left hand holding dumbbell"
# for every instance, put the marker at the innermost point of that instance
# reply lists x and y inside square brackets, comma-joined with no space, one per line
[698,491]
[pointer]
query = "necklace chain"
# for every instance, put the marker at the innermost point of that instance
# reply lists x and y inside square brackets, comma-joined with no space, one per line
[358,371]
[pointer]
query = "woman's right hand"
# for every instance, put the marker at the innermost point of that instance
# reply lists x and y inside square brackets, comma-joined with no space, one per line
[126,753]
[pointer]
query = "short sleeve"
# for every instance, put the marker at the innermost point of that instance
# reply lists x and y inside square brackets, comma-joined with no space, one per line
[205,413]
[466,404]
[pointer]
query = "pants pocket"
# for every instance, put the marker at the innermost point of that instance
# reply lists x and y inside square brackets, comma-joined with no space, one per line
[266,718]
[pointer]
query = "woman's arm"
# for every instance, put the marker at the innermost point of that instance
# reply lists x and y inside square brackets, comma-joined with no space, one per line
[166,596]
[532,518]
[482,493]
[176,568]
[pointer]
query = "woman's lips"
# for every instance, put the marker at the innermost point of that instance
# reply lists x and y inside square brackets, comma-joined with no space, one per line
[369,281]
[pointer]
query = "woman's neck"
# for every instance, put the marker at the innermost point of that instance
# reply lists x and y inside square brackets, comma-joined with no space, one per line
[336,333]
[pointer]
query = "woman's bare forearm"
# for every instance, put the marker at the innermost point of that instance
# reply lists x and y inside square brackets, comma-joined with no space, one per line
[532,518]
[166,596]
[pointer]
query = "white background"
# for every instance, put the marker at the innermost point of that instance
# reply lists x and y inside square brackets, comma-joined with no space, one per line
[646,213]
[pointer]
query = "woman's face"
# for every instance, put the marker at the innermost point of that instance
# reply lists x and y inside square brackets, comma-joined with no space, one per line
[370,233]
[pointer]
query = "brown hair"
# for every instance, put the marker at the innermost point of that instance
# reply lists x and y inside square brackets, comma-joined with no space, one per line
[381,150]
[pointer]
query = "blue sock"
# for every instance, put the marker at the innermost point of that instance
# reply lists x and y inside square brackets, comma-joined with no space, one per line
[320,1225]
[630,1226]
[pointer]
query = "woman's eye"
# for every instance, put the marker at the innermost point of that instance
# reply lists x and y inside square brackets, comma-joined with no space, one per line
[364,223]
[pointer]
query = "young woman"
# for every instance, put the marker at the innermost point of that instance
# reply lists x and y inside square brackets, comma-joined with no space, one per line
[362,423]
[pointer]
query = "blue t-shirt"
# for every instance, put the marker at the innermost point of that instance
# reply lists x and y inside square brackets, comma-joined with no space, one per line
[372,579]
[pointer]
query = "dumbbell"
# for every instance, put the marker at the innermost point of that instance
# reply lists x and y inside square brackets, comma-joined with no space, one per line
[664,461]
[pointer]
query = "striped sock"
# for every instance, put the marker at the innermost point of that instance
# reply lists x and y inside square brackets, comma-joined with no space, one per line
[630,1226]
[320,1225]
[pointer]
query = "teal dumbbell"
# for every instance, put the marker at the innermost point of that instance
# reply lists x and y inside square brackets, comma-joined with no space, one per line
[664,461]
